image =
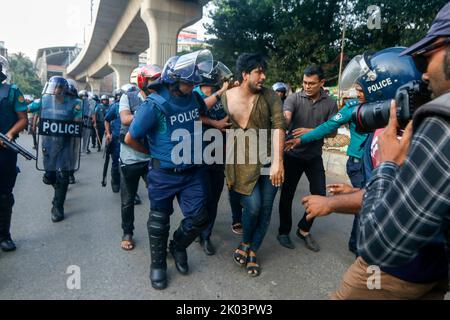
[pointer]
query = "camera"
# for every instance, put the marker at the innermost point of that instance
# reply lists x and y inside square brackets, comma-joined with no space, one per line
[371,116]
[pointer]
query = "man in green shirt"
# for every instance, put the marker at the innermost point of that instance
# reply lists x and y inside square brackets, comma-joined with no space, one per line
[254,111]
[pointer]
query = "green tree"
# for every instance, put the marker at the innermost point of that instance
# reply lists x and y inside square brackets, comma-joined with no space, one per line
[24,74]
[295,33]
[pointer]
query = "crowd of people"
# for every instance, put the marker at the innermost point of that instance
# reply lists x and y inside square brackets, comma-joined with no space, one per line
[400,174]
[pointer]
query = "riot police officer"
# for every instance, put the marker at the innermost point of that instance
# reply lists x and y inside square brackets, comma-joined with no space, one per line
[211,88]
[60,130]
[13,119]
[94,101]
[83,95]
[112,130]
[173,106]
[99,119]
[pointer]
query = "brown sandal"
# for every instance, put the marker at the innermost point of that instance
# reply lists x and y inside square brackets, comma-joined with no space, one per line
[241,253]
[127,243]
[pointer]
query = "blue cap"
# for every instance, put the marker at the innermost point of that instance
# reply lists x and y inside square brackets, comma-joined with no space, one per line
[439,28]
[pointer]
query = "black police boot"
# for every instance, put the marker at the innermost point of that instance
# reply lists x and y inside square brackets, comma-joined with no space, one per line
[158,230]
[6,204]
[115,183]
[58,201]
[115,187]
[208,247]
[179,254]
[71,179]
[158,269]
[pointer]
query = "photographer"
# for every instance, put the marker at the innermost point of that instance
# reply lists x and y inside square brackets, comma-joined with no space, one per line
[404,231]
[412,184]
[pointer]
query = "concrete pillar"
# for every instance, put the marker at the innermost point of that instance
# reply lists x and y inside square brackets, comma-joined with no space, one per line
[164,20]
[123,64]
[96,84]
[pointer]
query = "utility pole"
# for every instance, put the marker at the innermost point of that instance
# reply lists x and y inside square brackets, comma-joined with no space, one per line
[342,52]
[92,11]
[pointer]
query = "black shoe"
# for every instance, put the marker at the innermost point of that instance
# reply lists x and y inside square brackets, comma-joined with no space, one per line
[88,151]
[7,245]
[57,215]
[99,149]
[137,200]
[208,247]
[285,241]
[115,187]
[310,243]
[71,180]
[180,257]
[158,277]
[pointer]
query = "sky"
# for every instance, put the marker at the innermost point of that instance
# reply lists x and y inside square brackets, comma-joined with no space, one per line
[28,25]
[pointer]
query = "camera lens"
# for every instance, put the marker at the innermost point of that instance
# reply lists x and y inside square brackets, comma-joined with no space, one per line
[371,116]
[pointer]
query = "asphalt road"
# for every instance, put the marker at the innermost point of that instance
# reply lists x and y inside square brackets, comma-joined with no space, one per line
[89,238]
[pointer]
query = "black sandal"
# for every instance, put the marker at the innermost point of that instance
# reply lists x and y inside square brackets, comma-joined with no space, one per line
[241,254]
[254,269]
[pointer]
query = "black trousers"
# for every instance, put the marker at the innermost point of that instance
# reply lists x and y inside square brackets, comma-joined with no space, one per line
[214,180]
[129,183]
[294,168]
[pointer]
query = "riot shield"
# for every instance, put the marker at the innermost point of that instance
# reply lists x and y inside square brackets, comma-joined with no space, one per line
[59,133]
[88,106]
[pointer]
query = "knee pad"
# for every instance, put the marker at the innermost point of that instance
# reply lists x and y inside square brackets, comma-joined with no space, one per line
[158,223]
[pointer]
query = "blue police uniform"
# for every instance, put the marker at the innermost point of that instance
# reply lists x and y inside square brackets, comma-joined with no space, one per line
[113,117]
[157,118]
[100,111]
[11,102]
[60,153]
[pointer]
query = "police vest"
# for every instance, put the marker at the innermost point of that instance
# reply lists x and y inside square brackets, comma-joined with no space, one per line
[115,124]
[134,101]
[176,117]
[8,116]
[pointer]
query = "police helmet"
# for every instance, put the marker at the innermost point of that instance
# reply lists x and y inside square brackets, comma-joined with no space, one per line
[147,75]
[95,98]
[117,94]
[83,94]
[56,86]
[73,88]
[130,87]
[104,97]
[380,74]
[4,70]
[280,87]
[219,74]
[188,68]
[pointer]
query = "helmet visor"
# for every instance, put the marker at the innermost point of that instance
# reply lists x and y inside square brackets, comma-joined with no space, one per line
[352,72]
[190,67]
[57,88]
[222,70]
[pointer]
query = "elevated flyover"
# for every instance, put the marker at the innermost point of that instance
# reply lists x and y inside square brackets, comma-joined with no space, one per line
[125,28]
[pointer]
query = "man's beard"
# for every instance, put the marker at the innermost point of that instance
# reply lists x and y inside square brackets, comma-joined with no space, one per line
[253,88]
